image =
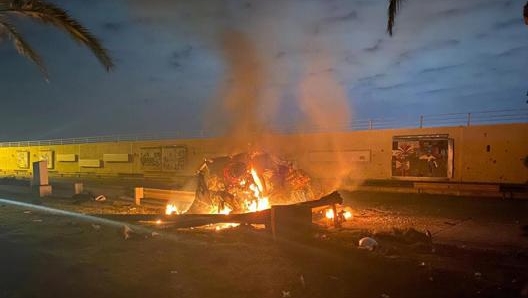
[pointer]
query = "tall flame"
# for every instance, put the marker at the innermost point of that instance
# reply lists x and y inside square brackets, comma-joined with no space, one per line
[261,202]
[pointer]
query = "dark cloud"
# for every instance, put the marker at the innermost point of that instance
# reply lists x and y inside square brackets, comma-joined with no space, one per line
[372,79]
[436,91]
[392,87]
[512,51]
[179,56]
[433,46]
[375,47]
[349,16]
[112,26]
[471,8]
[513,22]
[440,68]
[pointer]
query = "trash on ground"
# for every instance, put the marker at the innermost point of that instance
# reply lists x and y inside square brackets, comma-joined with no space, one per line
[100,198]
[303,283]
[127,232]
[368,243]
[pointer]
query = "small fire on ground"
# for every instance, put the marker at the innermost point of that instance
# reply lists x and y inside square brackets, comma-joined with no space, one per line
[345,214]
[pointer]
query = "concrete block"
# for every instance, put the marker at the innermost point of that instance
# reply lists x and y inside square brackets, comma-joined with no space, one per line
[78,188]
[43,190]
[40,173]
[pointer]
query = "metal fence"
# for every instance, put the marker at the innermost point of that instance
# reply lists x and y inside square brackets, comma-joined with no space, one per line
[432,120]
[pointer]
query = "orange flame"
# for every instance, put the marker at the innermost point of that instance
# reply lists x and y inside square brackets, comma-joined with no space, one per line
[329,213]
[261,202]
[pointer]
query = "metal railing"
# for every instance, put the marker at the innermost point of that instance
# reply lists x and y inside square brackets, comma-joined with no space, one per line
[432,120]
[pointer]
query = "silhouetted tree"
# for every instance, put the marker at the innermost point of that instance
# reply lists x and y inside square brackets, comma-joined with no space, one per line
[48,14]
[394,8]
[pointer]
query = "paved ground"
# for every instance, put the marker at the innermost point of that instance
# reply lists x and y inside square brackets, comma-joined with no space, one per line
[477,250]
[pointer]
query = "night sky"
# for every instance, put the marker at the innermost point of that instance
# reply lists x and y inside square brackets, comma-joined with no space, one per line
[206,64]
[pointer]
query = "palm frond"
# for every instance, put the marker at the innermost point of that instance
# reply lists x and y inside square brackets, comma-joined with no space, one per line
[51,14]
[525,13]
[22,47]
[393,9]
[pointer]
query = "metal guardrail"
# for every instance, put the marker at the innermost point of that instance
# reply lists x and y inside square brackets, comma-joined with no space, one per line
[432,120]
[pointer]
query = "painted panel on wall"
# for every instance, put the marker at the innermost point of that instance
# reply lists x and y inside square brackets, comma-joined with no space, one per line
[90,163]
[422,157]
[174,158]
[66,157]
[150,158]
[47,155]
[119,157]
[340,156]
[22,159]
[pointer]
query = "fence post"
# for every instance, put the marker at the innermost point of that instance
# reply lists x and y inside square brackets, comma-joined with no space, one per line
[370,123]
[421,121]
[468,119]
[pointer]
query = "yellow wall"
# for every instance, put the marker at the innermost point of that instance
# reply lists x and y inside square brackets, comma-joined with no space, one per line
[472,163]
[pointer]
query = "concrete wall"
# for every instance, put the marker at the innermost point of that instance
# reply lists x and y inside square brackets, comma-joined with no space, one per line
[356,155]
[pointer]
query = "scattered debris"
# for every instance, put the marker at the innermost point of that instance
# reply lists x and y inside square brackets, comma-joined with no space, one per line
[368,243]
[174,272]
[83,197]
[303,284]
[96,227]
[127,231]
[286,294]
[37,220]
[154,234]
[27,212]
[100,198]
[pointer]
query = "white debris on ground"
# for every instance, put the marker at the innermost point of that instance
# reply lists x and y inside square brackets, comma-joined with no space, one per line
[368,243]
[100,198]
[127,231]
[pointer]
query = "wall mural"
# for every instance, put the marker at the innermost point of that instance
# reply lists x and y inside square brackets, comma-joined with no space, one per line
[174,158]
[47,155]
[169,158]
[22,159]
[422,157]
[150,158]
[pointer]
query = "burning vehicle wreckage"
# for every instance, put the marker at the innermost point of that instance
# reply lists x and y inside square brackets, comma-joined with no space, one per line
[253,188]
[248,182]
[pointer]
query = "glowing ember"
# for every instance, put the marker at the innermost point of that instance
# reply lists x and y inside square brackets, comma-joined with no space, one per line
[329,213]
[171,209]
[219,227]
